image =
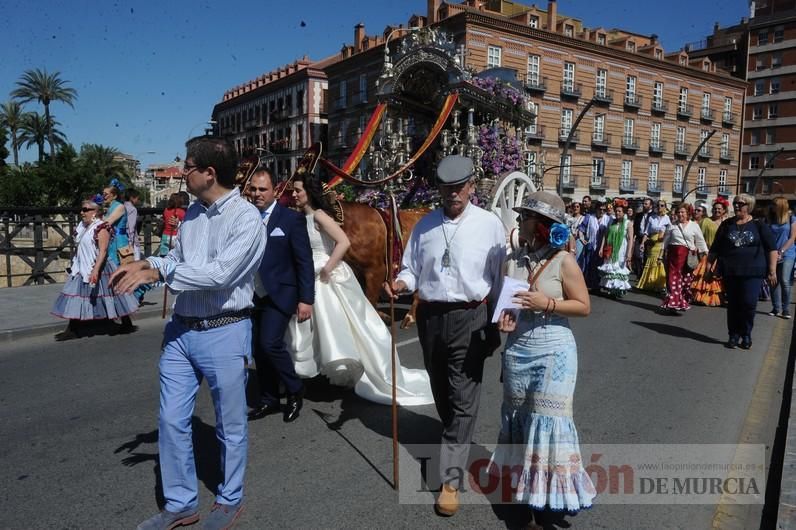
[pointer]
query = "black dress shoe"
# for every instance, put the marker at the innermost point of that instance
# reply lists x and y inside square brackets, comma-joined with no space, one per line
[732,343]
[746,343]
[293,407]
[263,410]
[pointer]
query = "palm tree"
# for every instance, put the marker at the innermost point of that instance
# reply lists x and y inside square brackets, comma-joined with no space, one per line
[44,87]
[36,129]
[101,160]
[12,116]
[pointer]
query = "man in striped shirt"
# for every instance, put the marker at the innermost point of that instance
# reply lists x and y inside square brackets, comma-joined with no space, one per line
[211,267]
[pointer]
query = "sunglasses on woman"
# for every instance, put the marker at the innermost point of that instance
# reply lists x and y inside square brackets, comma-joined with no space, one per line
[739,204]
[84,210]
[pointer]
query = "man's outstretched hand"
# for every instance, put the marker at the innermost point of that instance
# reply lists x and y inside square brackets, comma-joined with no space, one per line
[127,278]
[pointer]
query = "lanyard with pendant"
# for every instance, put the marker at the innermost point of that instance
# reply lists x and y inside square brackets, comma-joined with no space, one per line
[446,256]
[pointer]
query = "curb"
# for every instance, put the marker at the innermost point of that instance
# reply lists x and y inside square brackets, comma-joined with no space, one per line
[11,335]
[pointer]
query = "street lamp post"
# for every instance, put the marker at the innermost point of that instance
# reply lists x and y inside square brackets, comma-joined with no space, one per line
[766,163]
[566,144]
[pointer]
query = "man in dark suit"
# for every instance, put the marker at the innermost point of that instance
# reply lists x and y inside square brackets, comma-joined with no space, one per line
[284,285]
[640,221]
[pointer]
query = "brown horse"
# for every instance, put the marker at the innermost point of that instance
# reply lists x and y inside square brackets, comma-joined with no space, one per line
[367,255]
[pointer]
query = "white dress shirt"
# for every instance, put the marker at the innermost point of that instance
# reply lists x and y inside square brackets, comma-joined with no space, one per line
[477,249]
[217,251]
[657,223]
[259,288]
[691,236]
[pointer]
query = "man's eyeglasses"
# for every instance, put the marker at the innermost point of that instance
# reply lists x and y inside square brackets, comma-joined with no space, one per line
[84,210]
[187,168]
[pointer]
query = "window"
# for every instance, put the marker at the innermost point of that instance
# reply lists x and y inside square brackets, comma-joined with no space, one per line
[773,85]
[759,63]
[757,112]
[533,21]
[683,101]
[628,131]
[631,46]
[771,136]
[683,60]
[772,110]
[727,105]
[630,88]
[706,101]
[754,162]
[597,171]
[677,184]
[601,38]
[599,127]
[706,147]
[655,135]
[722,180]
[493,56]
[680,138]
[567,169]
[566,121]
[701,177]
[754,137]
[779,34]
[776,60]
[568,83]
[627,171]
[569,31]
[659,54]
[300,136]
[533,70]
[657,94]
[600,89]
[300,101]
[725,145]
[343,96]
[762,37]
[760,87]
[363,88]
[652,179]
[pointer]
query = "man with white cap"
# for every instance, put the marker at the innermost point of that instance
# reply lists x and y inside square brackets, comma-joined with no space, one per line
[454,260]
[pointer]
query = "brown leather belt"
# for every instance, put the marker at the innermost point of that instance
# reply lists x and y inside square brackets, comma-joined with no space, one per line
[449,306]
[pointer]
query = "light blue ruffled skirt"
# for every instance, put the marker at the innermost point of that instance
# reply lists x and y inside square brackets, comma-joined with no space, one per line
[538,442]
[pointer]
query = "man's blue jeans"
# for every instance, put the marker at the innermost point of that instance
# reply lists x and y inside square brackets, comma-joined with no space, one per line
[780,295]
[221,355]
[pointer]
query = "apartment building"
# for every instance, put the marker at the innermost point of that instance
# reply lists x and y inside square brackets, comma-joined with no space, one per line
[281,112]
[649,109]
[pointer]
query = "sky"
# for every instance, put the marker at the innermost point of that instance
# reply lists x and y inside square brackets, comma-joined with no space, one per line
[148,73]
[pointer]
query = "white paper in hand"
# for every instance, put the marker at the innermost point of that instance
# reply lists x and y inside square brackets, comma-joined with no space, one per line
[504,302]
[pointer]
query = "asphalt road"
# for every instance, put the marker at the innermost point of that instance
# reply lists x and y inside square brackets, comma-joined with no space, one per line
[79,438]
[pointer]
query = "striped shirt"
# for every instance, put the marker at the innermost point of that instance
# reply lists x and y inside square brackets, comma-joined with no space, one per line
[216,253]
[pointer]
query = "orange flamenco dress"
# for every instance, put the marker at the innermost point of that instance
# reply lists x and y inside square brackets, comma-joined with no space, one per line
[703,292]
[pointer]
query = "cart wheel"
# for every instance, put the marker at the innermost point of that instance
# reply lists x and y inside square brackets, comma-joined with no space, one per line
[510,192]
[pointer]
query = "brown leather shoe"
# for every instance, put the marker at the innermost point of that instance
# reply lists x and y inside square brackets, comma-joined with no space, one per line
[448,501]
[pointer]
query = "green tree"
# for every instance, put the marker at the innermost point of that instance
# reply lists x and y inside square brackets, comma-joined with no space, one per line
[11,117]
[3,149]
[101,161]
[35,130]
[39,85]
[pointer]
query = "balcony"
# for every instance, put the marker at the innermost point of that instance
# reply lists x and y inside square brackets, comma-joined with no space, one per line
[657,147]
[563,133]
[627,185]
[705,152]
[280,146]
[677,189]
[359,98]
[536,84]
[706,114]
[339,103]
[701,192]
[630,143]
[659,106]
[569,182]
[632,101]
[598,184]
[724,190]
[685,111]
[603,96]
[682,149]
[728,119]
[534,133]
[724,156]
[600,139]
[280,115]
[571,90]
[654,189]
[250,124]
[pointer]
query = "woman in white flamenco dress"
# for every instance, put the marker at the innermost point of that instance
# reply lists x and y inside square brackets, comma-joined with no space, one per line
[345,340]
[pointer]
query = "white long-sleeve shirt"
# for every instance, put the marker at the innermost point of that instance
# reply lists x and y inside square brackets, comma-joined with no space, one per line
[217,251]
[477,243]
[693,239]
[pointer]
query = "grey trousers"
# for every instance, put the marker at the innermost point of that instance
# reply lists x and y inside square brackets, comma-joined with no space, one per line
[454,353]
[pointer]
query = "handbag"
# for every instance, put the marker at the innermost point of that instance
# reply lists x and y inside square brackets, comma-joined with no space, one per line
[608,250]
[125,255]
[692,261]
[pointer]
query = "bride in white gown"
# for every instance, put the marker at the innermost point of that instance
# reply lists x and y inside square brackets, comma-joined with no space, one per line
[345,339]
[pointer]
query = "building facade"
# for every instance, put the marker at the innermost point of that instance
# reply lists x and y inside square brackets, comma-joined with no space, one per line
[278,115]
[649,112]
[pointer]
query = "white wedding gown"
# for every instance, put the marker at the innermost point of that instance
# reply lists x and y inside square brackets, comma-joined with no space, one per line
[346,340]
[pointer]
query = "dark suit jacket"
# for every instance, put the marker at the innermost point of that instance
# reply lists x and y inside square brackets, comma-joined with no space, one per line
[287,271]
[637,224]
